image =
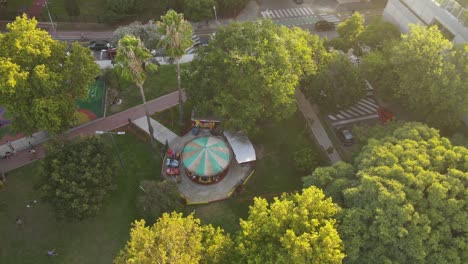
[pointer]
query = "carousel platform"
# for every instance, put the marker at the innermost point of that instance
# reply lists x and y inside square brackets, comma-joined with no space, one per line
[196,193]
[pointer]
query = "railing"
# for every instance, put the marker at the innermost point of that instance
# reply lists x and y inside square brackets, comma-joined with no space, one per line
[454,8]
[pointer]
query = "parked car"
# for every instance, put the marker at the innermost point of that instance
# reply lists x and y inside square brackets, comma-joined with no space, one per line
[324,25]
[346,136]
[98,45]
[111,53]
[299,1]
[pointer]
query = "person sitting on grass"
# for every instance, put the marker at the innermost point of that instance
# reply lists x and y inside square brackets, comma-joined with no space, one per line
[51,252]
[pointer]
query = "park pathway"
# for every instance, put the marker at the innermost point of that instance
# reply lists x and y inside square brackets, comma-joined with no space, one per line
[316,126]
[105,124]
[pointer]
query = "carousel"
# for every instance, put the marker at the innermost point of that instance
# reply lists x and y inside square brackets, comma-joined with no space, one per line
[206,159]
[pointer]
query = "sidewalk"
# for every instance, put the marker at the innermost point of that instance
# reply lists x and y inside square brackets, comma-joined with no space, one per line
[106,124]
[316,126]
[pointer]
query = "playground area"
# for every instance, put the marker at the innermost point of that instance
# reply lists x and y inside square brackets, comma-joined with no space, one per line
[89,109]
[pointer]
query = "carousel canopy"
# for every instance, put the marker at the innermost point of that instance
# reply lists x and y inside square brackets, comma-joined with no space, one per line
[241,146]
[206,156]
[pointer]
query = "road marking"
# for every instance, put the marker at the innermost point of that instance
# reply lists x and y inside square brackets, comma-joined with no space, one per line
[370,101]
[366,106]
[352,112]
[345,114]
[331,117]
[358,110]
[289,12]
[339,116]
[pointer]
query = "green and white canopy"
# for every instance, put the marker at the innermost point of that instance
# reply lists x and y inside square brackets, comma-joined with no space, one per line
[206,156]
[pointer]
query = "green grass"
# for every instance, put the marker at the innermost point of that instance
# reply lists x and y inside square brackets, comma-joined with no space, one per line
[170,118]
[13,6]
[157,84]
[95,240]
[275,173]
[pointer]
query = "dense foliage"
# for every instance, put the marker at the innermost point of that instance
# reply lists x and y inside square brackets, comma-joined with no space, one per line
[199,10]
[148,33]
[177,240]
[230,8]
[253,66]
[405,199]
[295,228]
[348,33]
[426,73]
[158,198]
[39,82]
[337,86]
[77,176]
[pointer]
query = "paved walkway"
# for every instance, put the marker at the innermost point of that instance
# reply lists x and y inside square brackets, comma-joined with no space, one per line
[105,124]
[160,132]
[316,126]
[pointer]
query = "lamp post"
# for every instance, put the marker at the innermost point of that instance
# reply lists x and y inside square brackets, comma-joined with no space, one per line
[216,15]
[50,17]
[115,145]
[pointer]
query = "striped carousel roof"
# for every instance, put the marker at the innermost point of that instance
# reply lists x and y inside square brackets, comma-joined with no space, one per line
[206,156]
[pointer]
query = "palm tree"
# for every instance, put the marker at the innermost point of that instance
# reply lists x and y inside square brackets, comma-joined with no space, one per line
[130,63]
[177,37]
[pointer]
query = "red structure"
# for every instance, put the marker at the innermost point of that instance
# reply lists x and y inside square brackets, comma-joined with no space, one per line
[385,115]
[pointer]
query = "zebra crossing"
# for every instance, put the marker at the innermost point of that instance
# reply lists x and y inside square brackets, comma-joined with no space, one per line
[192,49]
[364,109]
[289,12]
[330,18]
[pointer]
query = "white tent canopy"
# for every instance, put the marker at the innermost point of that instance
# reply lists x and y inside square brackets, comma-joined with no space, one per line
[241,146]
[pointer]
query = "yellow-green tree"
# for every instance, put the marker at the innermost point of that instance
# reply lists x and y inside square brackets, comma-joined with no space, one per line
[39,82]
[405,200]
[175,239]
[295,228]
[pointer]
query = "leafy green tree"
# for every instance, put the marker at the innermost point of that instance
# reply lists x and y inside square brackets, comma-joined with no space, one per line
[39,82]
[378,32]
[157,198]
[124,6]
[72,7]
[406,202]
[198,10]
[230,8]
[433,80]
[306,159]
[295,228]
[131,64]
[77,176]
[148,33]
[337,86]
[177,240]
[250,71]
[177,38]
[348,33]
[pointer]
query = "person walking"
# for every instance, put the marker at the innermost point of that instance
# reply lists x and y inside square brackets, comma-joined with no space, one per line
[11,146]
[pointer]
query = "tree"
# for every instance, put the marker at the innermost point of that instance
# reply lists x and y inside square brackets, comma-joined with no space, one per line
[348,33]
[431,82]
[230,8]
[406,202]
[198,10]
[157,198]
[337,86]
[77,176]
[124,6]
[250,71]
[295,228]
[378,32]
[131,64]
[148,33]
[72,8]
[177,38]
[39,83]
[177,240]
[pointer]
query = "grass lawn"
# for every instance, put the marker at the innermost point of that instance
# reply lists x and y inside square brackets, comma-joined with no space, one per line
[275,173]
[157,84]
[12,8]
[95,240]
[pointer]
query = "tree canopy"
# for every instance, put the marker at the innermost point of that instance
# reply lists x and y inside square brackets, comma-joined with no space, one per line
[405,199]
[39,82]
[250,71]
[77,176]
[295,228]
[348,33]
[337,86]
[148,33]
[175,239]
[426,73]
[198,10]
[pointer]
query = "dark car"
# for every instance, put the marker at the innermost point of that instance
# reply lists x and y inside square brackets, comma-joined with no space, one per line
[346,136]
[111,53]
[98,45]
[299,1]
[324,25]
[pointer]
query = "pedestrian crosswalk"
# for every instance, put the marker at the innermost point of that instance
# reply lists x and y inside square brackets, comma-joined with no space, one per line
[364,109]
[289,12]
[192,49]
[330,18]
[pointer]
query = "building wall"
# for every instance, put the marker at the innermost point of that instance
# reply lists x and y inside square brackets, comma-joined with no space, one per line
[423,12]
